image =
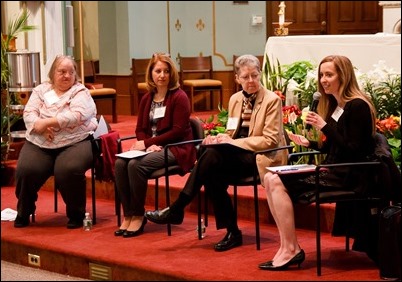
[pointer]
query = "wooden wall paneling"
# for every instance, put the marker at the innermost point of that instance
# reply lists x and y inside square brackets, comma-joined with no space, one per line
[122,84]
[307,17]
[327,17]
[354,17]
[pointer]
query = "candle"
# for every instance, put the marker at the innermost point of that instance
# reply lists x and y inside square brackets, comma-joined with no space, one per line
[281,20]
[281,13]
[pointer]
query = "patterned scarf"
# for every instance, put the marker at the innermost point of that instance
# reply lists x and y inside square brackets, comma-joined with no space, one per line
[248,104]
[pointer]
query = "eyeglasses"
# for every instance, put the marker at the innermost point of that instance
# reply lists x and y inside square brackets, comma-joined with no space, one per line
[253,76]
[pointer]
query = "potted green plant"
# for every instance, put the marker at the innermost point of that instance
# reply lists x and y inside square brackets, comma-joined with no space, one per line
[8,119]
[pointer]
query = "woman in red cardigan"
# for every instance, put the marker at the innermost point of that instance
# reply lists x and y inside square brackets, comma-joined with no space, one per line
[163,118]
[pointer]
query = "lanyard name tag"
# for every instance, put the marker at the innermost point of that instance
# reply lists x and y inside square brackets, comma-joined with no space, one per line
[159,112]
[51,98]
[337,113]
[232,123]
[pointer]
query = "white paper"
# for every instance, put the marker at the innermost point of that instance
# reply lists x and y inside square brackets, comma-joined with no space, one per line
[132,154]
[292,168]
[102,128]
[8,214]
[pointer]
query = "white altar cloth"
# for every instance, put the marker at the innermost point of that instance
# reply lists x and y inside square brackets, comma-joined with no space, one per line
[364,50]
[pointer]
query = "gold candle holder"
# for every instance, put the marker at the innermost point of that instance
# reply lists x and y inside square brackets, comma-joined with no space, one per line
[282,30]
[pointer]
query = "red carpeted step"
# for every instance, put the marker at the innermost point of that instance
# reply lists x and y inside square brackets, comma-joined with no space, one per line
[99,255]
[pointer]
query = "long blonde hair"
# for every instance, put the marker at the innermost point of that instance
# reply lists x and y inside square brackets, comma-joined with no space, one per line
[348,88]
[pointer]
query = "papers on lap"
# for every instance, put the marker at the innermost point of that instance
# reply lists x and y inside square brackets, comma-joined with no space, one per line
[132,154]
[292,168]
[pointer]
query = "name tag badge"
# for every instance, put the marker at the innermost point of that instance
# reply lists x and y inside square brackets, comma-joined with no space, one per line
[50,98]
[160,112]
[337,113]
[232,123]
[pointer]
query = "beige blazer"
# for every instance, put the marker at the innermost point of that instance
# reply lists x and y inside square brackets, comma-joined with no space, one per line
[266,128]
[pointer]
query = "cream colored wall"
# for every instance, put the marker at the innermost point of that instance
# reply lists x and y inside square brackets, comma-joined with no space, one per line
[188,28]
[90,26]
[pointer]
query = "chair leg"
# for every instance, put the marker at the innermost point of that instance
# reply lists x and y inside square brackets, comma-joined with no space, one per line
[205,208]
[200,213]
[55,198]
[156,194]
[169,226]
[93,194]
[347,247]
[114,111]
[257,218]
[235,200]
[211,100]
[221,97]
[318,237]
[199,229]
[117,205]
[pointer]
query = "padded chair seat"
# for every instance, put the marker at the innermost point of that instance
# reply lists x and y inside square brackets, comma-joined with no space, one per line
[102,91]
[106,93]
[142,86]
[202,82]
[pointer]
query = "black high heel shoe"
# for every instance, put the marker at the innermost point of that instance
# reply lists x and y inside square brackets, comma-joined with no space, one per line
[297,259]
[119,232]
[128,234]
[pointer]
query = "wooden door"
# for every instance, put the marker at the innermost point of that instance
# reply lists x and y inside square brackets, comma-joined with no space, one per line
[327,17]
[354,17]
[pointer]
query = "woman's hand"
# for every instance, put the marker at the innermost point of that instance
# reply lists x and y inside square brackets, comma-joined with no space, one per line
[315,120]
[49,134]
[299,139]
[220,138]
[40,126]
[224,138]
[154,148]
[210,139]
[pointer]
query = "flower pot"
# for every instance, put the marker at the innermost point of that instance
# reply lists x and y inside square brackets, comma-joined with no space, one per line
[12,47]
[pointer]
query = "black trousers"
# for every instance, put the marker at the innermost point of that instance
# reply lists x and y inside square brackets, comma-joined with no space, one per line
[215,169]
[68,165]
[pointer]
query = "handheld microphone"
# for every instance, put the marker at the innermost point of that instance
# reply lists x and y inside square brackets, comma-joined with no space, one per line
[314,105]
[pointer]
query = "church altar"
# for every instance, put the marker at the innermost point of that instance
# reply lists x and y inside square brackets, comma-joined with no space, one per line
[364,50]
